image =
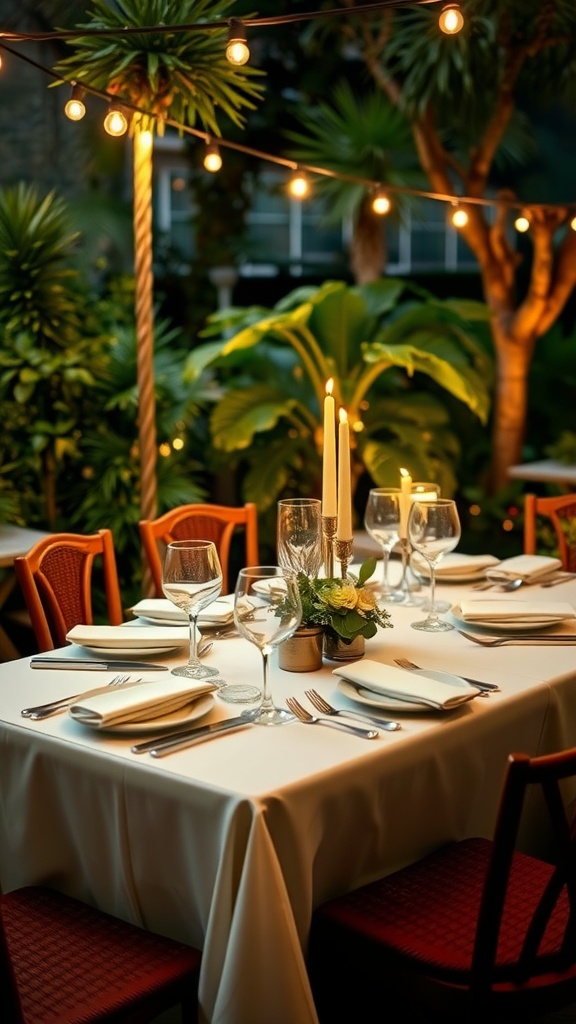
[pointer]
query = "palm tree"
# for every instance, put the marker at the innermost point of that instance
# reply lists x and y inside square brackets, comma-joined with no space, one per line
[181,76]
[361,138]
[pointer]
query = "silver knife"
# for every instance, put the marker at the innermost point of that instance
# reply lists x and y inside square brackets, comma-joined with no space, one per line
[82,664]
[178,740]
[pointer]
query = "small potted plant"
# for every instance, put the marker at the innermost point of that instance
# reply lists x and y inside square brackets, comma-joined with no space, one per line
[338,615]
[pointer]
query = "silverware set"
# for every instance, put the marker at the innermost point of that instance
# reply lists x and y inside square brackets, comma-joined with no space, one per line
[54,707]
[485,688]
[542,639]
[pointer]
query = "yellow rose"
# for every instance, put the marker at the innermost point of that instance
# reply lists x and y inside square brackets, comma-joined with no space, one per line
[341,596]
[366,600]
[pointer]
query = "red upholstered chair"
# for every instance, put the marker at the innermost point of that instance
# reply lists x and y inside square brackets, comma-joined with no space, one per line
[62,962]
[56,580]
[475,932]
[199,522]
[562,513]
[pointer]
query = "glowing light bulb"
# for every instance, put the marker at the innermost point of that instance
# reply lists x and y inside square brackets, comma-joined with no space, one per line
[573,223]
[381,203]
[212,158]
[115,122]
[522,223]
[237,51]
[74,108]
[459,218]
[450,20]
[299,186]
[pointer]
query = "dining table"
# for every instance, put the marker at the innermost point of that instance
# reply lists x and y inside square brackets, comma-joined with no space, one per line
[231,843]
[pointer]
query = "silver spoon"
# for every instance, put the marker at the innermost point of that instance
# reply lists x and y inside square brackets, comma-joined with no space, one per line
[504,582]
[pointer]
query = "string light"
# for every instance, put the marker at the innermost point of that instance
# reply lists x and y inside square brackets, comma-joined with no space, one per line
[573,223]
[75,109]
[522,223]
[380,202]
[299,186]
[451,20]
[212,158]
[116,122]
[237,51]
[459,217]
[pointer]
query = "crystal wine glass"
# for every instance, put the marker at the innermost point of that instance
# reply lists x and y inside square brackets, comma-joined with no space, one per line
[382,521]
[299,535]
[425,490]
[192,579]
[267,610]
[433,529]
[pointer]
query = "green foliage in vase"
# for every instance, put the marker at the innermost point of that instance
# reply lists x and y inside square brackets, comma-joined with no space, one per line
[378,341]
[345,608]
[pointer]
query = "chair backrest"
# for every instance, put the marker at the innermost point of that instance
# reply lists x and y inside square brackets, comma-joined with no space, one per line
[56,580]
[199,522]
[561,511]
[545,931]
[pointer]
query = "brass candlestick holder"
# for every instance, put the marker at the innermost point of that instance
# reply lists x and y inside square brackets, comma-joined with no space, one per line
[344,549]
[329,525]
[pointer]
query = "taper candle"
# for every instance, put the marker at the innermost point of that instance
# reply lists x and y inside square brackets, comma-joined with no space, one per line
[404,499]
[344,529]
[329,507]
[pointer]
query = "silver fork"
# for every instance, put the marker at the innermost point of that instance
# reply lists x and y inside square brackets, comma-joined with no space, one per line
[54,706]
[304,716]
[483,687]
[327,709]
[524,638]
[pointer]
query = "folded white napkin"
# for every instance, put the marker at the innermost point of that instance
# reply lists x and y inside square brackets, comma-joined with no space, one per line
[129,636]
[490,611]
[140,702]
[220,612]
[529,567]
[456,563]
[389,681]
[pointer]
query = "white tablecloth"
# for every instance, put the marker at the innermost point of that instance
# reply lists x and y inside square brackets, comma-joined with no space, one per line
[229,845]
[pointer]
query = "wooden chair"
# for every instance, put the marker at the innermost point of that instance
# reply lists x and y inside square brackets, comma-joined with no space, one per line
[475,931]
[561,511]
[199,522]
[56,580]
[62,961]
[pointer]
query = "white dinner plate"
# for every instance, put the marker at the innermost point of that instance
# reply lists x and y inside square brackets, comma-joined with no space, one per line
[130,652]
[188,713]
[474,576]
[132,637]
[506,625]
[361,695]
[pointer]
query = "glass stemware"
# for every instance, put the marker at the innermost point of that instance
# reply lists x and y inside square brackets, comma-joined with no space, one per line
[267,610]
[299,535]
[192,579]
[433,529]
[425,490]
[382,522]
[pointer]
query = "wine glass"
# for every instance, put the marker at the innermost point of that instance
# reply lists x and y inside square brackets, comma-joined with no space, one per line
[299,535]
[425,490]
[433,529]
[267,610]
[382,521]
[192,579]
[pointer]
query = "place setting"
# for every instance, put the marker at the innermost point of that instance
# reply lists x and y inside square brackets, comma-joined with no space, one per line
[388,687]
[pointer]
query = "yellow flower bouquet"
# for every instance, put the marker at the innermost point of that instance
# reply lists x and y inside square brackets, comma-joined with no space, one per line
[345,608]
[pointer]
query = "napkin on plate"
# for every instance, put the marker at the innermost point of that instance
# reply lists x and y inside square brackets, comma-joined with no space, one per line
[529,567]
[140,702]
[389,681]
[220,612]
[456,563]
[489,611]
[131,636]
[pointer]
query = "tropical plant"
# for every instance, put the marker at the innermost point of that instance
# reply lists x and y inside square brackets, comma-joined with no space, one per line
[374,341]
[184,76]
[460,118]
[357,138]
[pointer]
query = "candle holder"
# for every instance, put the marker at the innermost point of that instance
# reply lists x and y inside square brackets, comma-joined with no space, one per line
[404,586]
[344,550]
[329,526]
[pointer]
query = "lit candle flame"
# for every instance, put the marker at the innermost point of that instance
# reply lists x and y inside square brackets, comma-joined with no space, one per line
[343,416]
[329,385]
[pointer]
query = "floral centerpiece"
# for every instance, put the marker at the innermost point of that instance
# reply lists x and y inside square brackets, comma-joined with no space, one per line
[344,608]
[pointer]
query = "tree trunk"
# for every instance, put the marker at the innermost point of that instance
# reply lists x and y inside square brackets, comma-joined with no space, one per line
[368,249]
[510,405]
[145,330]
